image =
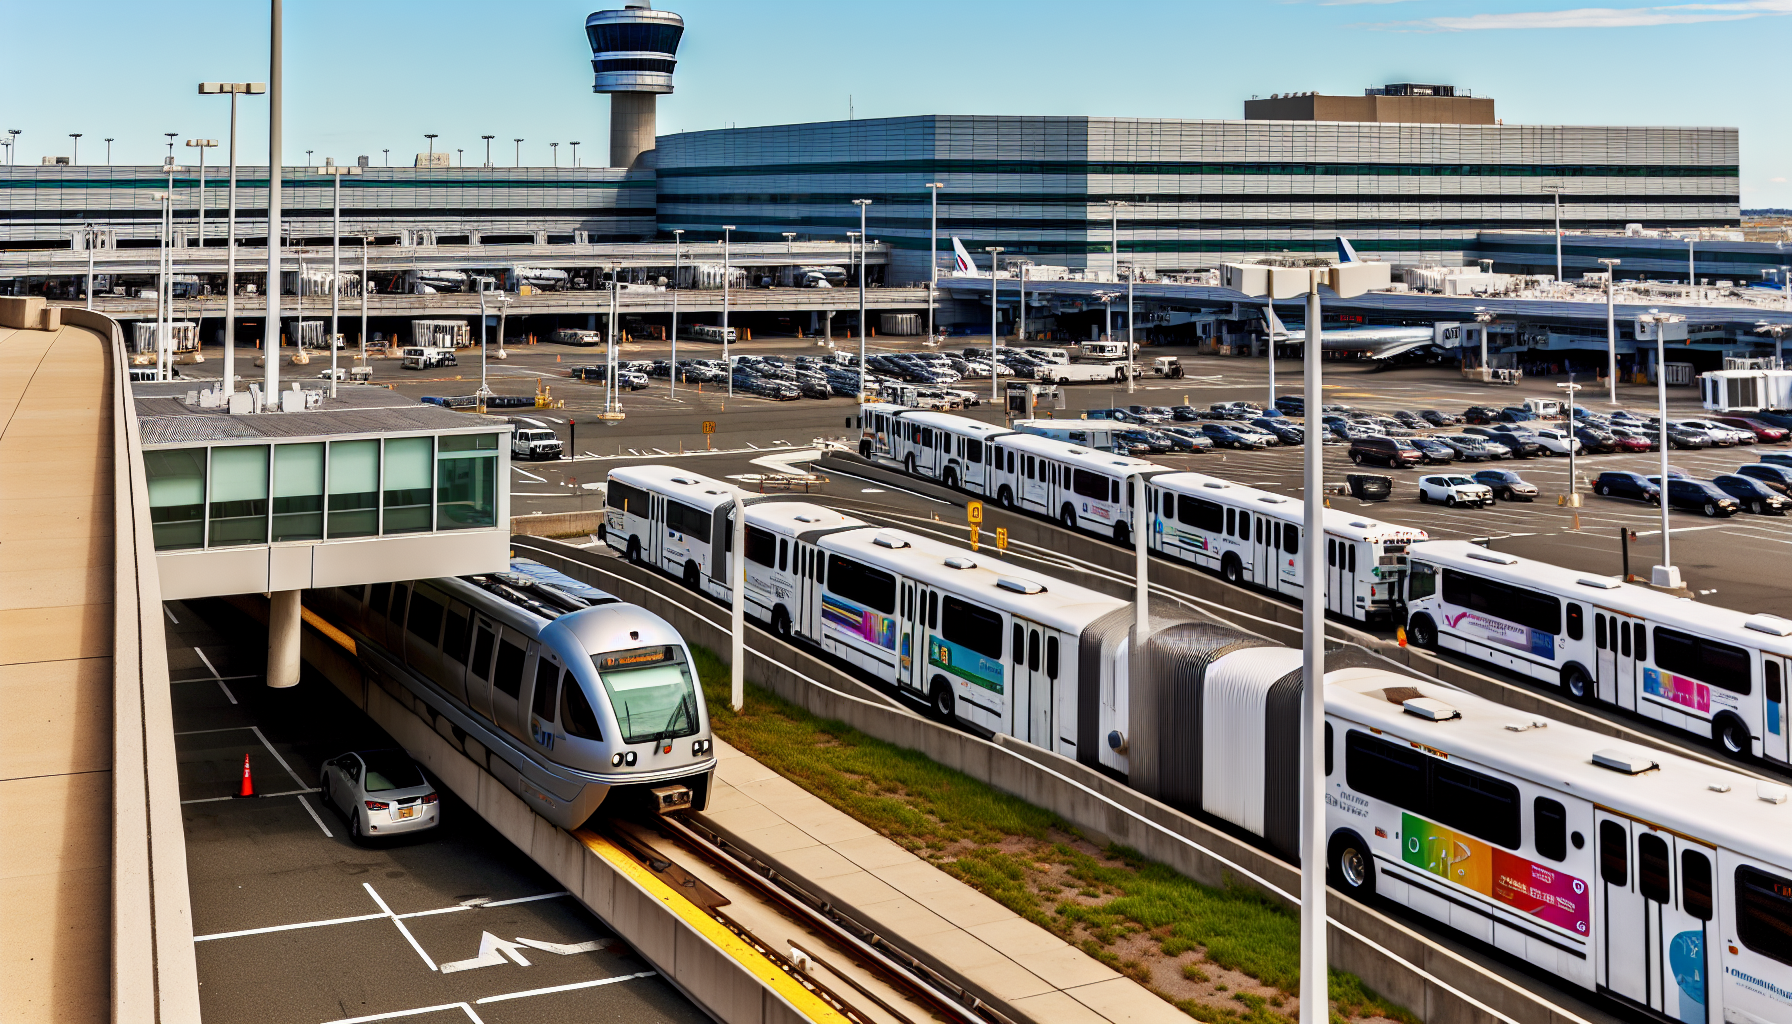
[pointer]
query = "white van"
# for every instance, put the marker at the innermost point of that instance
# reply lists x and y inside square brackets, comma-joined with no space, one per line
[419,357]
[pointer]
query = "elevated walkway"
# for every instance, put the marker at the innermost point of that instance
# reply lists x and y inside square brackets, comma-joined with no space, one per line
[92,867]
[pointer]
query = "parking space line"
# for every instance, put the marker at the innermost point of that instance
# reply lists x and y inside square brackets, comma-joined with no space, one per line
[395,1014]
[211,679]
[287,927]
[402,930]
[264,742]
[528,899]
[166,611]
[313,812]
[210,668]
[567,988]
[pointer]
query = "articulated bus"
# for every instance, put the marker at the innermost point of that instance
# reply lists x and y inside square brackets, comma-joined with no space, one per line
[1704,670]
[1252,536]
[667,518]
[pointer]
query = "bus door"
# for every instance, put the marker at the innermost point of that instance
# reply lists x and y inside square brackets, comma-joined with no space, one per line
[1616,651]
[908,639]
[1263,551]
[1773,691]
[927,453]
[1033,490]
[1340,572]
[1029,694]
[1655,906]
[656,532]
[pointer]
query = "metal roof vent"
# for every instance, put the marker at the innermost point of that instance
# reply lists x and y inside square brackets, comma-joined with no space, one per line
[1772,624]
[1079,451]
[1019,586]
[687,481]
[807,518]
[1430,709]
[1273,499]
[1493,556]
[1359,524]
[1215,484]
[1770,792]
[1608,584]
[889,540]
[1629,762]
[961,562]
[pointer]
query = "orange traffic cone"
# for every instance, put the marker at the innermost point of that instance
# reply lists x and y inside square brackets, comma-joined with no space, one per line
[248,782]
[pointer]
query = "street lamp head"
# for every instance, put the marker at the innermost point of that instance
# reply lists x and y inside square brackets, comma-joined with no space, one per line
[676,232]
[861,202]
[727,227]
[488,137]
[936,184]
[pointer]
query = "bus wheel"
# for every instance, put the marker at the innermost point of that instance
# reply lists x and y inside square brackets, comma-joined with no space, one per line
[603,532]
[781,622]
[1731,736]
[690,575]
[1576,685]
[1122,535]
[950,478]
[634,550]
[1005,498]
[940,696]
[908,463]
[864,449]
[1067,516]
[1422,632]
[1231,569]
[1352,867]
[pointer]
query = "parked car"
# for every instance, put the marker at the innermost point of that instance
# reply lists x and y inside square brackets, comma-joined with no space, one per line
[1737,435]
[1136,442]
[1517,446]
[1555,442]
[382,792]
[1177,442]
[1469,449]
[1631,440]
[1184,413]
[1435,452]
[1269,437]
[1224,435]
[1724,438]
[1191,434]
[1438,418]
[1117,415]
[1681,437]
[1624,417]
[1507,485]
[1699,496]
[1619,484]
[1480,415]
[1516,414]
[1389,451]
[1765,432]
[1776,458]
[1775,476]
[1292,405]
[1754,496]
[1454,490]
[1595,441]
[1236,410]
[1284,431]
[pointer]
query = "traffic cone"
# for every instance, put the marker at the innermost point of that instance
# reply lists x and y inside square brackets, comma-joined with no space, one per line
[248,782]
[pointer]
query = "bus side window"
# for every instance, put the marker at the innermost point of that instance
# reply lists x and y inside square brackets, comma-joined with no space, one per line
[1624,641]
[1020,643]
[1695,884]
[1331,552]
[1599,632]
[933,609]
[1051,657]
[783,554]
[1231,522]
[1328,749]
[1772,681]
[1614,853]
[1114,491]
[1291,539]
[1549,828]
[1576,629]
[1642,643]
[1350,553]
[1033,650]
[1259,529]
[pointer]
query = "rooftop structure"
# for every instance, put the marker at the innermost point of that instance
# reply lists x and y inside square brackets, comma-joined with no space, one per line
[633,53]
[1398,103]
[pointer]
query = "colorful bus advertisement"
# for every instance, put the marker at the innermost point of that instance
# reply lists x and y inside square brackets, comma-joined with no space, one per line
[1524,885]
[1688,693]
[858,623]
[966,664]
[1488,629]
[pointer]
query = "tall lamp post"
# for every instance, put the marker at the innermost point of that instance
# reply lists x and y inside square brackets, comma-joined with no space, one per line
[364,240]
[89,232]
[234,89]
[488,148]
[271,345]
[1778,333]
[431,136]
[1020,325]
[933,252]
[202,145]
[1572,441]
[1611,330]
[1663,324]
[863,205]
[853,254]
[1114,206]
[519,151]
[995,375]
[330,168]
[575,153]
[75,160]
[1132,271]
[1555,192]
[677,265]
[1276,282]
[554,147]
[727,230]
[109,141]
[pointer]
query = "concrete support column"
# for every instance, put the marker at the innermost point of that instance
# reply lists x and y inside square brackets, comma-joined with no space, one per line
[631,126]
[283,639]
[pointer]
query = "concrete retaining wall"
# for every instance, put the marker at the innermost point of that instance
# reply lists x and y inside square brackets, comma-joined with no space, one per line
[1439,986]
[557,524]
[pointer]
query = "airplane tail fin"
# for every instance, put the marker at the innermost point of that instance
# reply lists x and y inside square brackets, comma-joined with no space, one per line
[964,264]
[1347,252]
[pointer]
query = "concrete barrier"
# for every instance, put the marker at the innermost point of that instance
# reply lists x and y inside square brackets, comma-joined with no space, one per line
[1435,983]
[557,524]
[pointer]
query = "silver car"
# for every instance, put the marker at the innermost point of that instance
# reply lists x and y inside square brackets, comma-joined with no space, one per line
[382,792]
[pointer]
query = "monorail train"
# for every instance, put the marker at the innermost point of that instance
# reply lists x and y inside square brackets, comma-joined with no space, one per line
[1658,881]
[569,697]
[1246,535]
[1712,672]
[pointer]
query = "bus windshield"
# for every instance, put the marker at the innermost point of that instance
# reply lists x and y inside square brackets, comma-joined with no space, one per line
[651,691]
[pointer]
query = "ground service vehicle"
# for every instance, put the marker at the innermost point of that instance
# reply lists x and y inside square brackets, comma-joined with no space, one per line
[418,357]
[1079,373]
[534,443]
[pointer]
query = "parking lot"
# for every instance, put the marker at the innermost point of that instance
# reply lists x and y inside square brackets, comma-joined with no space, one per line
[294,922]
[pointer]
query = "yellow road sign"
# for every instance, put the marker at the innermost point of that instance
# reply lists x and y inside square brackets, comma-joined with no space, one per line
[709,426]
[974,531]
[1002,538]
[973,512]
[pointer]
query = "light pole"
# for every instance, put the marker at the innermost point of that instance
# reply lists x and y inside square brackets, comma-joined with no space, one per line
[519,151]
[933,253]
[202,145]
[1114,206]
[431,136]
[1555,192]
[460,157]
[852,261]
[1572,441]
[88,228]
[386,157]
[488,148]
[789,242]
[1663,575]
[270,346]
[677,265]
[75,160]
[1611,329]
[1132,271]
[234,89]
[171,137]
[109,141]
[1689,271]
[554,147]
[1485,319]
[364,240]
[1020,326]
[336,174]
[995,376]
[1778,333]
[727,360]
[167,340]
[737,607]
[863,205]
[575,153]
[161,283]
[1107,319]
[308,153]
[12,142]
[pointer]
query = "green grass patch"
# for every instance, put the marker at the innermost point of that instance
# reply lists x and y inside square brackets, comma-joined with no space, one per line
[1032,861]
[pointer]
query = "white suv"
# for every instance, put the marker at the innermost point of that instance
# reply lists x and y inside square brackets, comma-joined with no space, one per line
[1453,491]
[534,443]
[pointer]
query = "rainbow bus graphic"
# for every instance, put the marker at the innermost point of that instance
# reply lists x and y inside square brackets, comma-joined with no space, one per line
[858,623]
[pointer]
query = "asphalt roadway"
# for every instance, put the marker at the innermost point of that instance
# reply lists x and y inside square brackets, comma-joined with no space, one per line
[295,922]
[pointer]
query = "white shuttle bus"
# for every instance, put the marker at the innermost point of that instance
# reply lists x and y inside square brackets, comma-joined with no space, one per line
[1083,489]
[934,445]
[673,520]
[1252,536]
[1712,672]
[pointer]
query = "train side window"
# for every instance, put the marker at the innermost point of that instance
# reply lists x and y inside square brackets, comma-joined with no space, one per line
[425,621]
[1576,628]
[1033,650]
[1654,866]
[454,636]
[380,598]
[1764,913]
[508,676]
[1695,884]
[1614,854]
[1771,678]
[1051,657]
[1020,643]
[783,553]
[1642,642]
[576,716]
[1549,827]
[1599,631]
[543,701]
[1623,641]
[480,666]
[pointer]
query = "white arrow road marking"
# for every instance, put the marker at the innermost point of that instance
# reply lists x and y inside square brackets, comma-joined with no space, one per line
[493,950]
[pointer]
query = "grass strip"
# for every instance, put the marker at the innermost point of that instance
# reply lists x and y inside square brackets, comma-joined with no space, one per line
[1219,954]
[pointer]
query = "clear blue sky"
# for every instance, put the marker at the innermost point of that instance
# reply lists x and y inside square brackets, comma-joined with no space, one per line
[373,74]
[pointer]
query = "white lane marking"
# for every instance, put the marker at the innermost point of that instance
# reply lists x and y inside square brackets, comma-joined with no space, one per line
[226,690]
[169,612]
[313,812]
[406,932]
[564,988]
[262,796]
[564,948]
[201,732]
[220,679]
[395,1014]
[211,679]
[492,951]
[528,899]
[264,742]
[287,927]
[903,490]
[532,476]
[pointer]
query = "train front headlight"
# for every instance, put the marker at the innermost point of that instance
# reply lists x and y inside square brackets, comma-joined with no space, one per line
[629,759]
[616,760]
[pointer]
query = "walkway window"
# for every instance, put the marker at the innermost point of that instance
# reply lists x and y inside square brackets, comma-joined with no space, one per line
[176,497]
[407,484]
[354,489]
[467,482]
[298,492]
[239,502]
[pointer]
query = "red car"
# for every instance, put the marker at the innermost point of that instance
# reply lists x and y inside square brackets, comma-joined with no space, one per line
[1631,440]
[1766,433]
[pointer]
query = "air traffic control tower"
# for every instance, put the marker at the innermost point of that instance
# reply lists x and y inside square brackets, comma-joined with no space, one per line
[633,52]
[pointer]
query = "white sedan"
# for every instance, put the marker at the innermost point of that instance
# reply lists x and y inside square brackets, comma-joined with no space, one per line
[381,792]
[1555,442]
[1454,491]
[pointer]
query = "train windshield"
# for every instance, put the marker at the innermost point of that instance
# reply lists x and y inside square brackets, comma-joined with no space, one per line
[651,691]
